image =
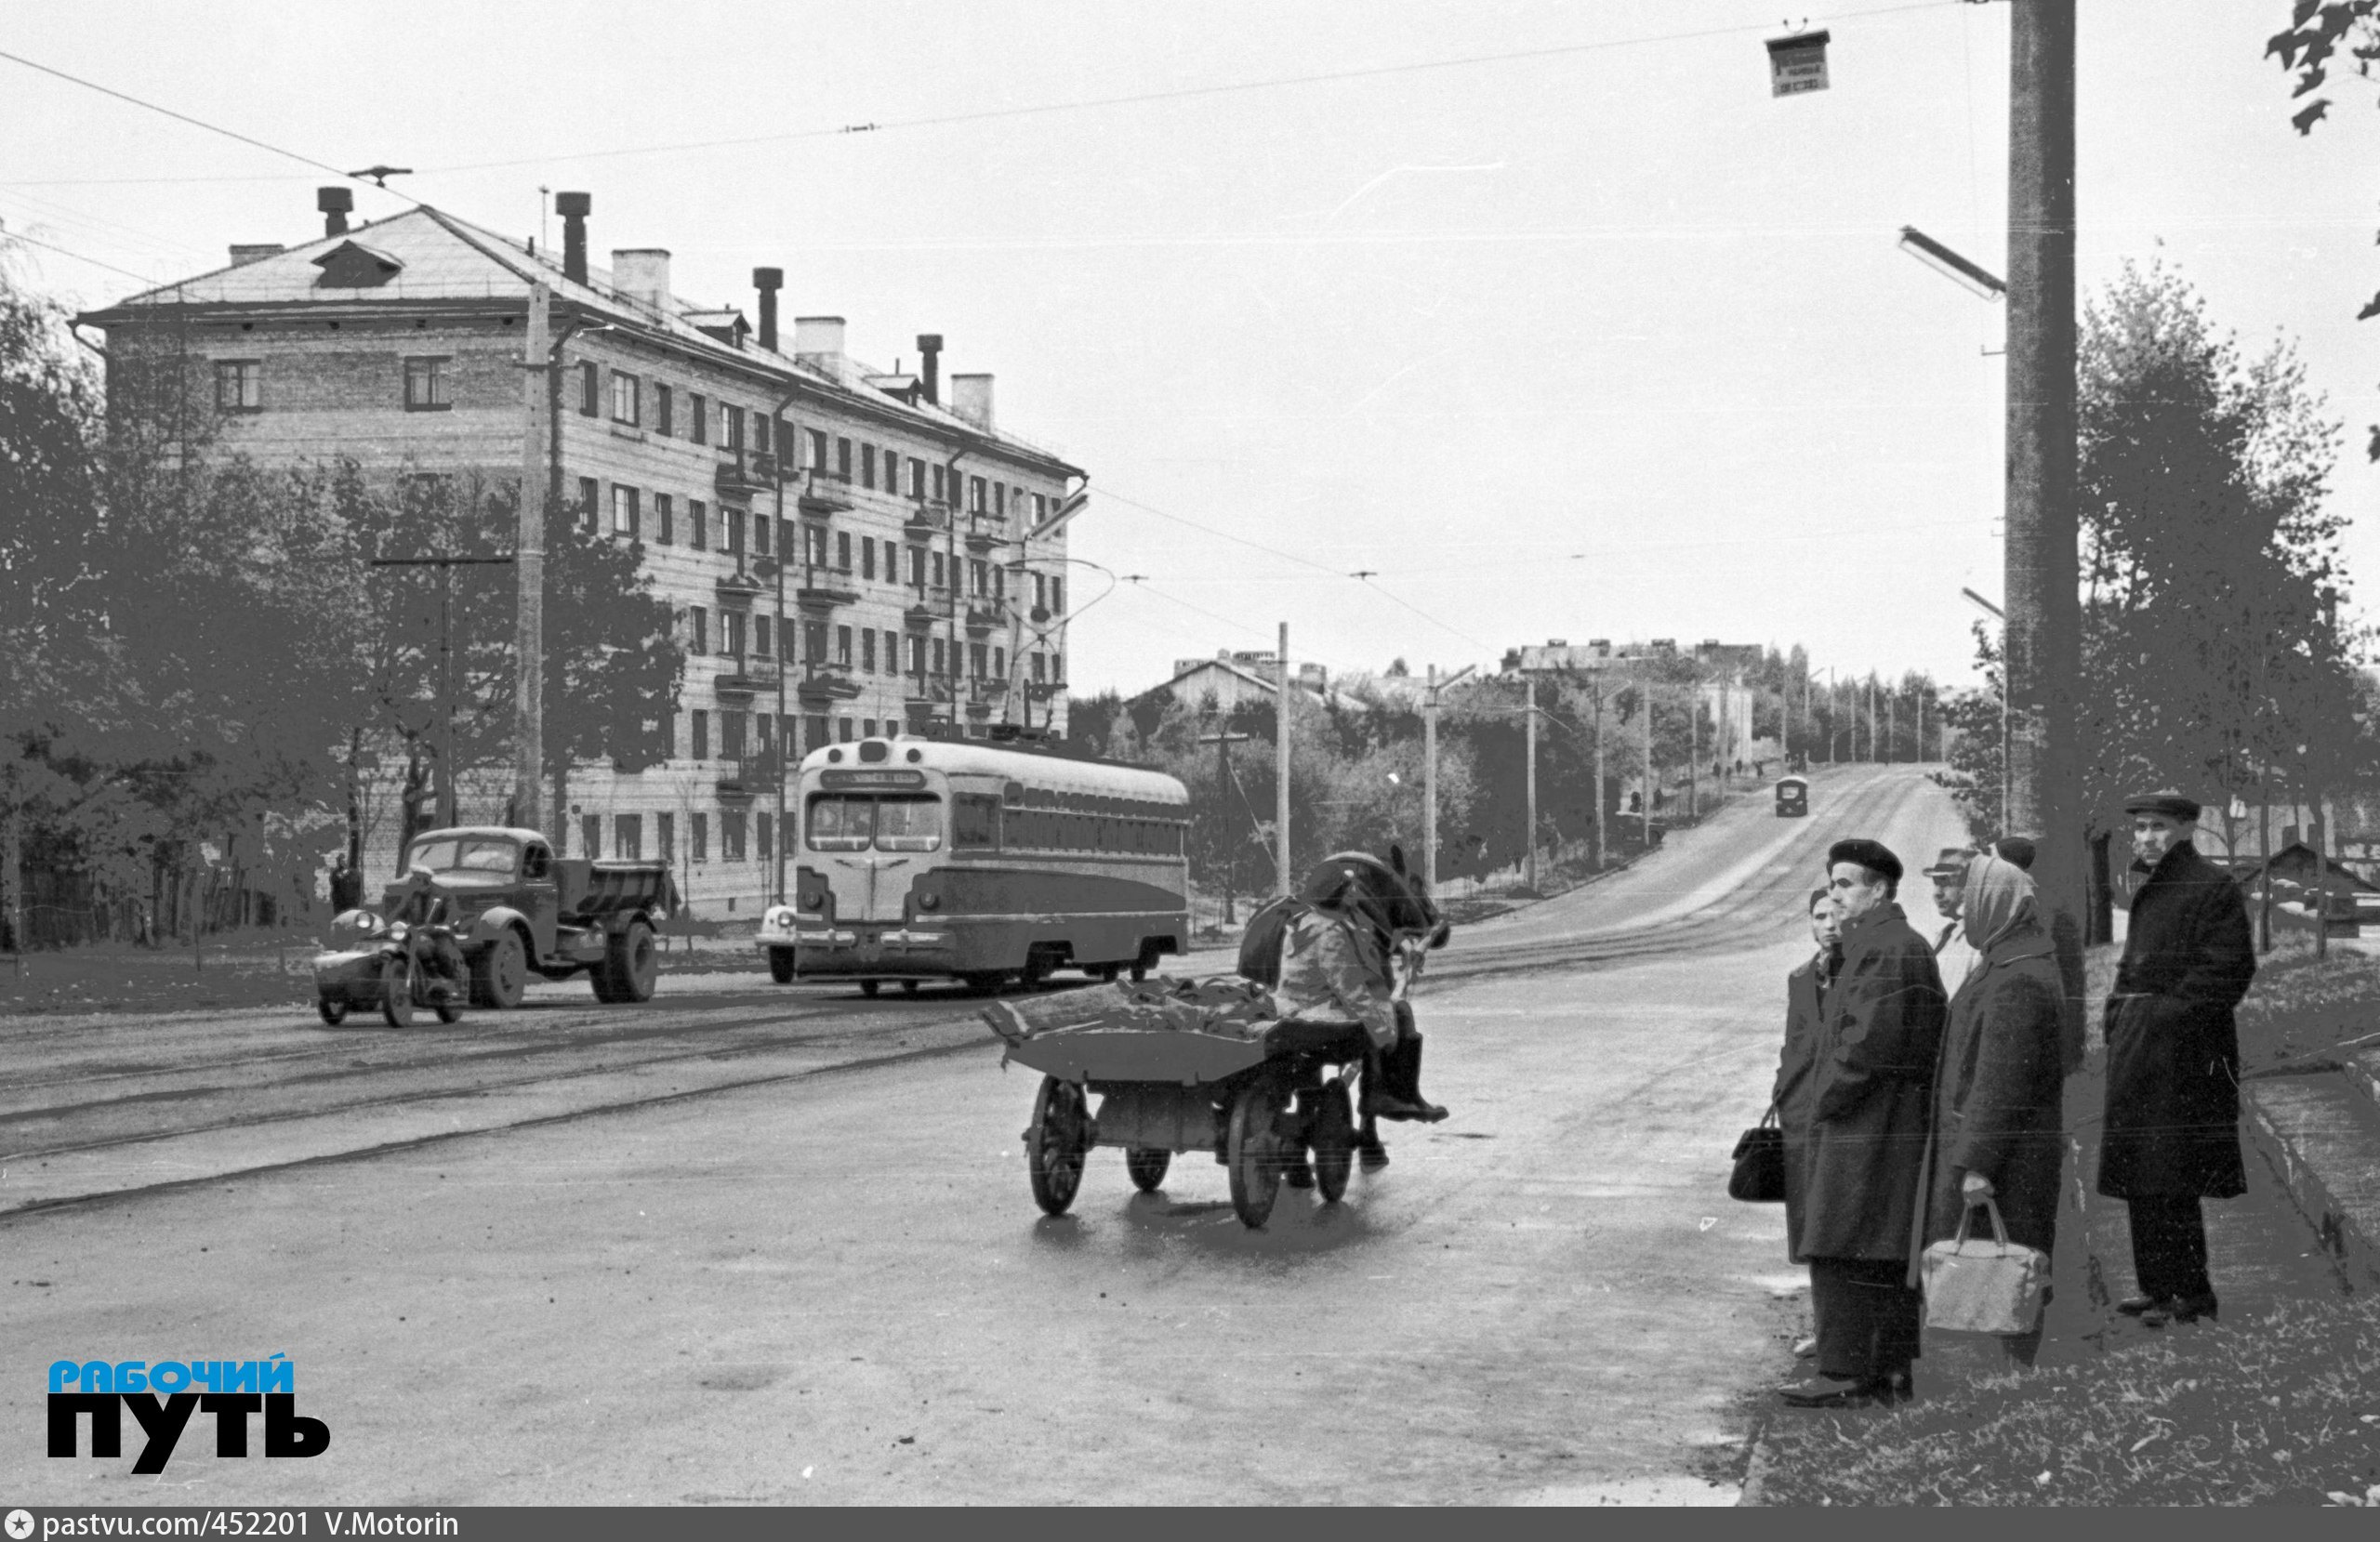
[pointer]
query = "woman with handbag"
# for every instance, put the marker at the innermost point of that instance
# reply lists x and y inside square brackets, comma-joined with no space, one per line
[1999,1101]
[1804,1000]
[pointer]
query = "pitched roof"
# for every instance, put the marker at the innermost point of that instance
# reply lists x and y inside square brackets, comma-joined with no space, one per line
[439,256]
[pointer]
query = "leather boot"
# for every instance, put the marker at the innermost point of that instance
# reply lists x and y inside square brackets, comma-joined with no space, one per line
[1406,1077]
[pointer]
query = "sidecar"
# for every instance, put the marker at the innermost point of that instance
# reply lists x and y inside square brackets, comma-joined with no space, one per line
[351,970]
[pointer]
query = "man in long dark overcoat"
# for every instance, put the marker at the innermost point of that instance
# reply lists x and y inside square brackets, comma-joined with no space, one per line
[1871,1107]
[2171,1133]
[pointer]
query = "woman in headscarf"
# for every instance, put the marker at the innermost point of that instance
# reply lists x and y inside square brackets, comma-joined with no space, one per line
[1804,1003]
[1999,1102]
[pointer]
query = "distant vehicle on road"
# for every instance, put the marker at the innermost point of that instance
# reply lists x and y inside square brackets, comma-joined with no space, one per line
[931,859]
[1792,797]
[517,907]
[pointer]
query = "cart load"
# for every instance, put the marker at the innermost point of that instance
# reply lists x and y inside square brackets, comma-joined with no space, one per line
[1184,1065]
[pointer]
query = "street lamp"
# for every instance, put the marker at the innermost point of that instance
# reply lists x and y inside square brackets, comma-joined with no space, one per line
[1943,261]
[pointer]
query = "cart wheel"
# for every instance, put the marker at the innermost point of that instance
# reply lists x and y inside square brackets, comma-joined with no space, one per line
[1147,1164]
[1334,1142]
[1252,1150]
[396,992]
[1054,1146]
[869,987]
[334,1011]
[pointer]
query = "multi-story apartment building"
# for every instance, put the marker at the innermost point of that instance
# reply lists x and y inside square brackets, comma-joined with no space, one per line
[848,554]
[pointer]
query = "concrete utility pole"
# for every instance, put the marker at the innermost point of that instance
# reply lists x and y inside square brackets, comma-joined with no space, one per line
[529,573]
[1528,719]
[1600,809]
[1281,767]
[2044,624]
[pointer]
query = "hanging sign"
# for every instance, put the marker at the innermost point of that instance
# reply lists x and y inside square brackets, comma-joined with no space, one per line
[1797,64]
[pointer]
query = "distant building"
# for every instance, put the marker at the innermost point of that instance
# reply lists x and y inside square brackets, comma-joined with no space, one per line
[1724,685]
[847,553]
[1231,680]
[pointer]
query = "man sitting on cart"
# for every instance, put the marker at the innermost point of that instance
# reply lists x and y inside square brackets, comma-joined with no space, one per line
[1336,968]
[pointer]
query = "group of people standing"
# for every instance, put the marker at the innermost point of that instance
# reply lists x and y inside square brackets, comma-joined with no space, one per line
[1905,1104]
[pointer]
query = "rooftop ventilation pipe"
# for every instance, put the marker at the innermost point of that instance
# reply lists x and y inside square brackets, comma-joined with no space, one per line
[768,281]
[930,347]
[574,207]
[334,203]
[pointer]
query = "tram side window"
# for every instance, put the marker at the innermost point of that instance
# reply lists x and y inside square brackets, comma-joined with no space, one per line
[975,822]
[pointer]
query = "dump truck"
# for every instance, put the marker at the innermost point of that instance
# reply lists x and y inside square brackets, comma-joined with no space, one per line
[518,909]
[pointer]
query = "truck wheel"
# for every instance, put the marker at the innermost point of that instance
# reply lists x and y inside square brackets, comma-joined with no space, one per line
[500,972]
[781,966]
[631,966]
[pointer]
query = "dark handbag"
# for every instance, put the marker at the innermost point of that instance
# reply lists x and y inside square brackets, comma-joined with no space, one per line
[1759,1176]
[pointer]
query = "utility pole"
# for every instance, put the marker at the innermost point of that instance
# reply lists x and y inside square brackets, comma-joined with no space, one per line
[1692,743]
[1647,695]
[529,573]
[2042,648]
[1599,800]
[784,453]
[1222,739]
[1429,774]
[1281,767]
[1528,737]
[1892,725]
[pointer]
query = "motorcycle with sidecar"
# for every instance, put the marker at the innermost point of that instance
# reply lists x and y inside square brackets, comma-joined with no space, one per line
[391,965]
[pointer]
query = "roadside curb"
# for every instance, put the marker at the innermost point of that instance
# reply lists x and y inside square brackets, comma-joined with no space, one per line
[2320,1132]
[1755,1490]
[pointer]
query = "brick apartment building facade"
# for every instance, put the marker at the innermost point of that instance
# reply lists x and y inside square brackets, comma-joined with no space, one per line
[837,539]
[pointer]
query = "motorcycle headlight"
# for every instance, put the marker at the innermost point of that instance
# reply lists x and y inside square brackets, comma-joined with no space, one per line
[398,932]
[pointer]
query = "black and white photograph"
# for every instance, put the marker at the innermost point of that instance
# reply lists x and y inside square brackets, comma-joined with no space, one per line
[1030,753]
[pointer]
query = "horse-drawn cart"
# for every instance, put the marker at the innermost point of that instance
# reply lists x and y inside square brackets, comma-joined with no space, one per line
[1185,1066]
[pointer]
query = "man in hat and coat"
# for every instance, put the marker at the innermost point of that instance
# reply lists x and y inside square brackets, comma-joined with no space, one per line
[1952,955]
[2172,1130]
[1871,1100]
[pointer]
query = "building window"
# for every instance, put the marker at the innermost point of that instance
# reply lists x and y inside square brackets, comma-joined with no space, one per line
[731,634]
[664,410]
[1040,507]
[761,637]
[941,662]
[867,728]
[590,501]
[813,642]
[814,731]
[763,828]
[626,514]
[732,525]
[917,566]
[426,385]
[591,835]
[697,629]
[975,659]
[1038,677]
[868,467]
[999,499]
[698,838]
[816,547]
[867,557]
[937,571]
[731,429]
[843,550]
[977,583]
[843,459]
[1057,669]
[664,519]
[999,664]
[1057,595]
[843,730]
[1000,585]
[590,388]
[627,837]
[627,399]
[701,718]
[759,534]
[939,472]
[732,736]
[892,480]
[731,836]
[665,837]
[697,422]
[917,656]
[843,646]
[239,385]
[698,533]
[917,479]
[867,650]
[818,450]
[975,493]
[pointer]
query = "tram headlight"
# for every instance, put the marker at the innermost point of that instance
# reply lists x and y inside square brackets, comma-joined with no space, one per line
[814,902]
[929,901]
[780,915]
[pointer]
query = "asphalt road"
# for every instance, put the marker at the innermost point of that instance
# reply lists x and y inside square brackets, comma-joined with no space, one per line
[759,1243]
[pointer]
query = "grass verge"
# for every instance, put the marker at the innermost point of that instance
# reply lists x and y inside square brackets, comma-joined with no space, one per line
[2282,1411]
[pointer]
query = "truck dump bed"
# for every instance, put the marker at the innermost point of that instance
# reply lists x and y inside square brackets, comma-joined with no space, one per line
[590,890]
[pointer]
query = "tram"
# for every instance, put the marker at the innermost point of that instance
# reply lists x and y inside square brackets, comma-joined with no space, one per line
[1792,797]
[955,859]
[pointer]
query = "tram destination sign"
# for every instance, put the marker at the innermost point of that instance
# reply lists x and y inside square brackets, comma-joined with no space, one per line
[1797,64]
[851,779]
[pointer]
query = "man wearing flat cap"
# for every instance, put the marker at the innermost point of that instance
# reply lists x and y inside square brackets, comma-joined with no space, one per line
[1952,954]
[2172,1131]
[1871,1095]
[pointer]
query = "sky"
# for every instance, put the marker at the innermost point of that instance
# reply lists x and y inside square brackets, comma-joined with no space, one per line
[1531,321]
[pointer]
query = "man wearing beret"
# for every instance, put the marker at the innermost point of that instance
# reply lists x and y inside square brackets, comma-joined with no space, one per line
[2171,1133]
[1873,1091]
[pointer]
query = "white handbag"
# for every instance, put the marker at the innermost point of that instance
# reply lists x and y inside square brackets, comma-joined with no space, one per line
[1979,1287]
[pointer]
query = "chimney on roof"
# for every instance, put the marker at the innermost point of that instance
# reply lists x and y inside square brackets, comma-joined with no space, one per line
[930,348]
[768,281]
[243,252]
[574,207]
[817,335]
[642,274]
[334,205]
[971,398]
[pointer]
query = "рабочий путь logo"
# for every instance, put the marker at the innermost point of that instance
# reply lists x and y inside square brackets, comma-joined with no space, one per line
[163,1396]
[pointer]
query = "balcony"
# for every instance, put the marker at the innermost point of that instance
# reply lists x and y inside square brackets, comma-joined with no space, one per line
[927,692]
[746,677]
[1041,690]
[924,615]
[984,694]
[983,536]
[742,776]
[823,493]
[823,594]
[827,682]
[744,473]
[925,519]
[982,614]
[740,585]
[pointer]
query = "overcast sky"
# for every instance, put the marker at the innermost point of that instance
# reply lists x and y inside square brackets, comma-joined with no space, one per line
[1603,341]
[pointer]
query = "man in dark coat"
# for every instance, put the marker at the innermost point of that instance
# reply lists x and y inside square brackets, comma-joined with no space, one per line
[1871,1099]
[2173,1115]
[1806,990]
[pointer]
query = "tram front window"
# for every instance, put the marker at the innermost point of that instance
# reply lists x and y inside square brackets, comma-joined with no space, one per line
[855,823]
